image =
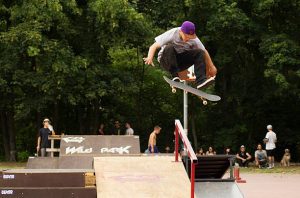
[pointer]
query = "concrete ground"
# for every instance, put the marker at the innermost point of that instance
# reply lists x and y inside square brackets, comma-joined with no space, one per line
[270,185]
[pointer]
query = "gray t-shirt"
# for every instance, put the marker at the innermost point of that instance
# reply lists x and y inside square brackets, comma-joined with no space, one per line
[172,37]
[260,154]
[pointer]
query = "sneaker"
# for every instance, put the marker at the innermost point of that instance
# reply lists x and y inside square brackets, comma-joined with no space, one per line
[206,83]
[177,79]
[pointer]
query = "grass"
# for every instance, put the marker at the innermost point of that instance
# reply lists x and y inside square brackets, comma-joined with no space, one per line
[12,165]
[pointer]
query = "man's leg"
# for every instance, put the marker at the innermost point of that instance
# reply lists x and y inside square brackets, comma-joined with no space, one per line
[169,60]
[43,152]
[195,57]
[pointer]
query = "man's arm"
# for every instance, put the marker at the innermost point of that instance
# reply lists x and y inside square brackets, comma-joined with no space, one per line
[248,156]
[211,69]
[151,141]
[38,144]
[238,157]
[152,49]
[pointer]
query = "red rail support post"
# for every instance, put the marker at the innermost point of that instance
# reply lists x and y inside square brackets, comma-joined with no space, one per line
[192,179]
[179,132]
[176,144]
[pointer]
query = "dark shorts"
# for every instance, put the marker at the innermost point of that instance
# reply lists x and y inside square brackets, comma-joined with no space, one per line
[155,149]
[271,153]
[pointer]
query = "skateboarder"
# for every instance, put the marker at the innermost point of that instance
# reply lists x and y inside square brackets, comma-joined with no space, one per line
[180,49]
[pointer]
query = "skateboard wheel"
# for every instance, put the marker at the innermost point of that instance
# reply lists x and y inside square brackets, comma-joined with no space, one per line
[173,90]
[204,102]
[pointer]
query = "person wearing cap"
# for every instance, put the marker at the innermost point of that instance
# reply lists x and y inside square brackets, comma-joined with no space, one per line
[180,48]
[243,158]
[43,143]
[270,141]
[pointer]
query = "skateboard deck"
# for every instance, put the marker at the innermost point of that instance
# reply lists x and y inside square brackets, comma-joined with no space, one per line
[192,90]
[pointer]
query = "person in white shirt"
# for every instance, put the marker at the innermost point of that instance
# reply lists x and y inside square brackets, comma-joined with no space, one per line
[270,141]
[129,130]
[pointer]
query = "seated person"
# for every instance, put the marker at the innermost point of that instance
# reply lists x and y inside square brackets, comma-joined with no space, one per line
[227,151]
[260,157]
[200,152]
[243,157]
[210,151]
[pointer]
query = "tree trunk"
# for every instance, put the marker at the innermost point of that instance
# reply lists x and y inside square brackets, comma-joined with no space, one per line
[55,121]
[5,135]
[12,136]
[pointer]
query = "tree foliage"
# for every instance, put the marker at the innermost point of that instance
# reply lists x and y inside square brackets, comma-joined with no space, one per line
[80,63]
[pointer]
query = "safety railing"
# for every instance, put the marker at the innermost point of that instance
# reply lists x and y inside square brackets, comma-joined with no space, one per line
[179,132]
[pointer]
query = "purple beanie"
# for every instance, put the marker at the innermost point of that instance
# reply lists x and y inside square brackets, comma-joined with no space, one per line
[188,27]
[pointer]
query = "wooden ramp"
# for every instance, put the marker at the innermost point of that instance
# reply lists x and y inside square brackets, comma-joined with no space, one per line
[141,176]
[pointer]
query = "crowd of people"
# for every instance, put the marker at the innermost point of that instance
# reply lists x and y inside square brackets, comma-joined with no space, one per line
[117,129]
[262,158]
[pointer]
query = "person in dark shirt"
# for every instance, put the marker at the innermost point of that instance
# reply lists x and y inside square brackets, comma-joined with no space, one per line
[116,129]
[42,142]
[243,157]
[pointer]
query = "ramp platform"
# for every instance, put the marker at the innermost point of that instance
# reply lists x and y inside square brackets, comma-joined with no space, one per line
[141,176]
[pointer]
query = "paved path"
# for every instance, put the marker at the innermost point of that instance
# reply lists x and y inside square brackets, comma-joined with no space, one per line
[273,185]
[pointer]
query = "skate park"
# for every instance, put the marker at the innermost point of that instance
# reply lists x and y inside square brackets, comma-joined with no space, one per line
[84,65]
[113,166]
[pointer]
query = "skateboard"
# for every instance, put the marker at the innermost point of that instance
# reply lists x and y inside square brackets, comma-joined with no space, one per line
[201,94]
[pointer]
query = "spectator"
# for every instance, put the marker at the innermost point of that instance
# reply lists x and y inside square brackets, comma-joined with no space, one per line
[129,130]
[260,157]
[117,128]
[210,151]
[167,149]
[243,157]
[152,140]
[270,141]
[101,129]
[200,152]
[43,143]
[228,151]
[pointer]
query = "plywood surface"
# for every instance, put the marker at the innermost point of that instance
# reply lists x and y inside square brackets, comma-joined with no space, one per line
[144,176]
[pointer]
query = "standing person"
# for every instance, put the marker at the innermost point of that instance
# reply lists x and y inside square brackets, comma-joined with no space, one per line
[101,129]
[129,130]
[152,140]
[270,141]
[43,142]
[117,128]
[243,157]
[180,49]
[260,157]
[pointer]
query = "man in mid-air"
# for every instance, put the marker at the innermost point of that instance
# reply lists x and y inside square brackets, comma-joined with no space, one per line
[180,49]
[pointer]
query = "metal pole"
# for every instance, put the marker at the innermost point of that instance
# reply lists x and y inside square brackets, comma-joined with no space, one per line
[185,110]
[176,143]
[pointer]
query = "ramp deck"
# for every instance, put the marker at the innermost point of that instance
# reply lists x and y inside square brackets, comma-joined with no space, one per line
[143,176]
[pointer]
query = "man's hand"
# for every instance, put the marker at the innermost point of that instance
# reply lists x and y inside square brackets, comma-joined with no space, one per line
[211,71]
[152,150]
[148,61]
[37,148]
